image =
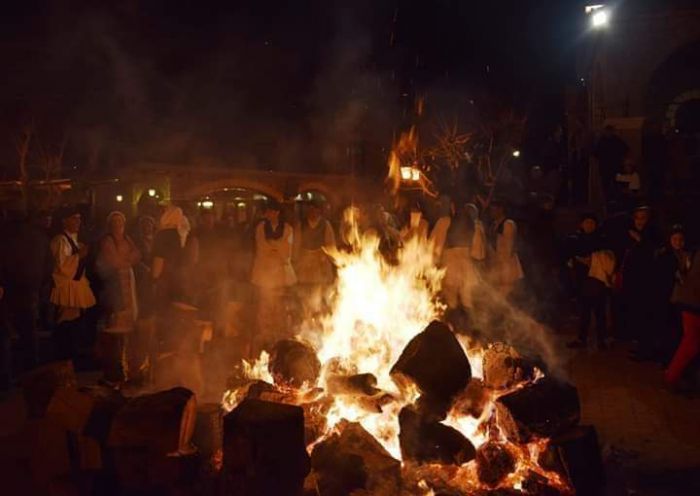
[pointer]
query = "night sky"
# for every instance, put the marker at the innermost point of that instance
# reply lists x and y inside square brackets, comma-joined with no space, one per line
[269,84]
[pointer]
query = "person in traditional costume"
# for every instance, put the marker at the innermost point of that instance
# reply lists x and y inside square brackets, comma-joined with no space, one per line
[416,227]
[71,292]
[272,275]
[313,239]
[453,239]
[115,263]
[173,254]
[505,268]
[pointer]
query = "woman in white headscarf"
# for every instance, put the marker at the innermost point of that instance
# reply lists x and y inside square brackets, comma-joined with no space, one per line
[172,255]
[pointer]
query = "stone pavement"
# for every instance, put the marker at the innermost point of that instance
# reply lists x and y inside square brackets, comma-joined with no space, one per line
[650,436]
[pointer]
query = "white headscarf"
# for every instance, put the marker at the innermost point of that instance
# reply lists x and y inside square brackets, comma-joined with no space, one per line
[173,218]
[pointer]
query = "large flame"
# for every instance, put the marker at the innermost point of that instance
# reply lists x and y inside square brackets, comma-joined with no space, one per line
[376,308]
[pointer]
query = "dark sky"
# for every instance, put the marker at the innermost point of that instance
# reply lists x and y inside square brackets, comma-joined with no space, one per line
[275,84]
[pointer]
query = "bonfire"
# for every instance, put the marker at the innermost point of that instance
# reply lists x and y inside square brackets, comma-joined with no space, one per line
[396,402]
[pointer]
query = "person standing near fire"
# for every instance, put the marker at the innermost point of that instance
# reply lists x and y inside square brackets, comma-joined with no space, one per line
[453,239]
[272,275]
[312,239]
[71,293]
[416,227]
[505,270]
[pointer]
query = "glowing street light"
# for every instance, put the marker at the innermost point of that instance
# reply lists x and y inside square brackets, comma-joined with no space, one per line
[208,204]
[516,153]
[151,192]
[119,198]
[600,16]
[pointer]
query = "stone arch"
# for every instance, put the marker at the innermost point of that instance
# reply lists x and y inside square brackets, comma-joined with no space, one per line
[330,193]
[675,81]
[208,187]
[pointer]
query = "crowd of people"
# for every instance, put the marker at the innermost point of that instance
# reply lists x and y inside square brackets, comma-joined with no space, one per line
[640,285]
[119,275]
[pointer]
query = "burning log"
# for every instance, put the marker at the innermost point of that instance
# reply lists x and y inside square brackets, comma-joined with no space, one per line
[426,442]
[494,462]
[294,363]
[360,384]
[352,460]
[162,422]
[538,485]
[435,361]
[576,456]
[504,367]
[472,400]
[541,409]
[264,451]
[39,385]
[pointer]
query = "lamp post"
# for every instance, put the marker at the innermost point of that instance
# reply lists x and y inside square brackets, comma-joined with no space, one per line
[599,16]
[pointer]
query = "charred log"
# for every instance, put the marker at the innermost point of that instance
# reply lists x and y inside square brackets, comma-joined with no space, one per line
[352,460]
[162,422]
[472,400]
[426,442]
[39,385]
[541,409]
[435,361]
[504,367]
[537,485]
[294,363]
[264,451]
[576,456]
[364,384]
[494,462]
[208,434]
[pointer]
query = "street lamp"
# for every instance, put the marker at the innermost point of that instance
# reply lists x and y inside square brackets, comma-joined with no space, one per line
[516,153]
[119,198]
[599,14]
[151,192]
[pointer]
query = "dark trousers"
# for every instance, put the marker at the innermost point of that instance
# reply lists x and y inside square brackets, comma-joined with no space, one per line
[593,299]
[67,337]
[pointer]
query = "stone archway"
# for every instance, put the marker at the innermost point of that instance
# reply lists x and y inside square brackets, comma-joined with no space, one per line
[674,83]
[208,187]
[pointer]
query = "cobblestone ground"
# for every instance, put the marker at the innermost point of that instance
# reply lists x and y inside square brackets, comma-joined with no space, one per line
[650,436]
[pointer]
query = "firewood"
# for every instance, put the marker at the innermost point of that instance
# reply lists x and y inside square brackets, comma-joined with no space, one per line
[88,411]
[575,454]
[162,422]
[435,361]
[537,485]
[351,461]
[264,450]
[209,429]
[541,409]
[295,363]
[494,462]
[504,367]
[138,470]
[364,384]
[39,385]
[428,442]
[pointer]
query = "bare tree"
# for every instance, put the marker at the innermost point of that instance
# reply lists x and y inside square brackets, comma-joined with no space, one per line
[50,164]
[22,145]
